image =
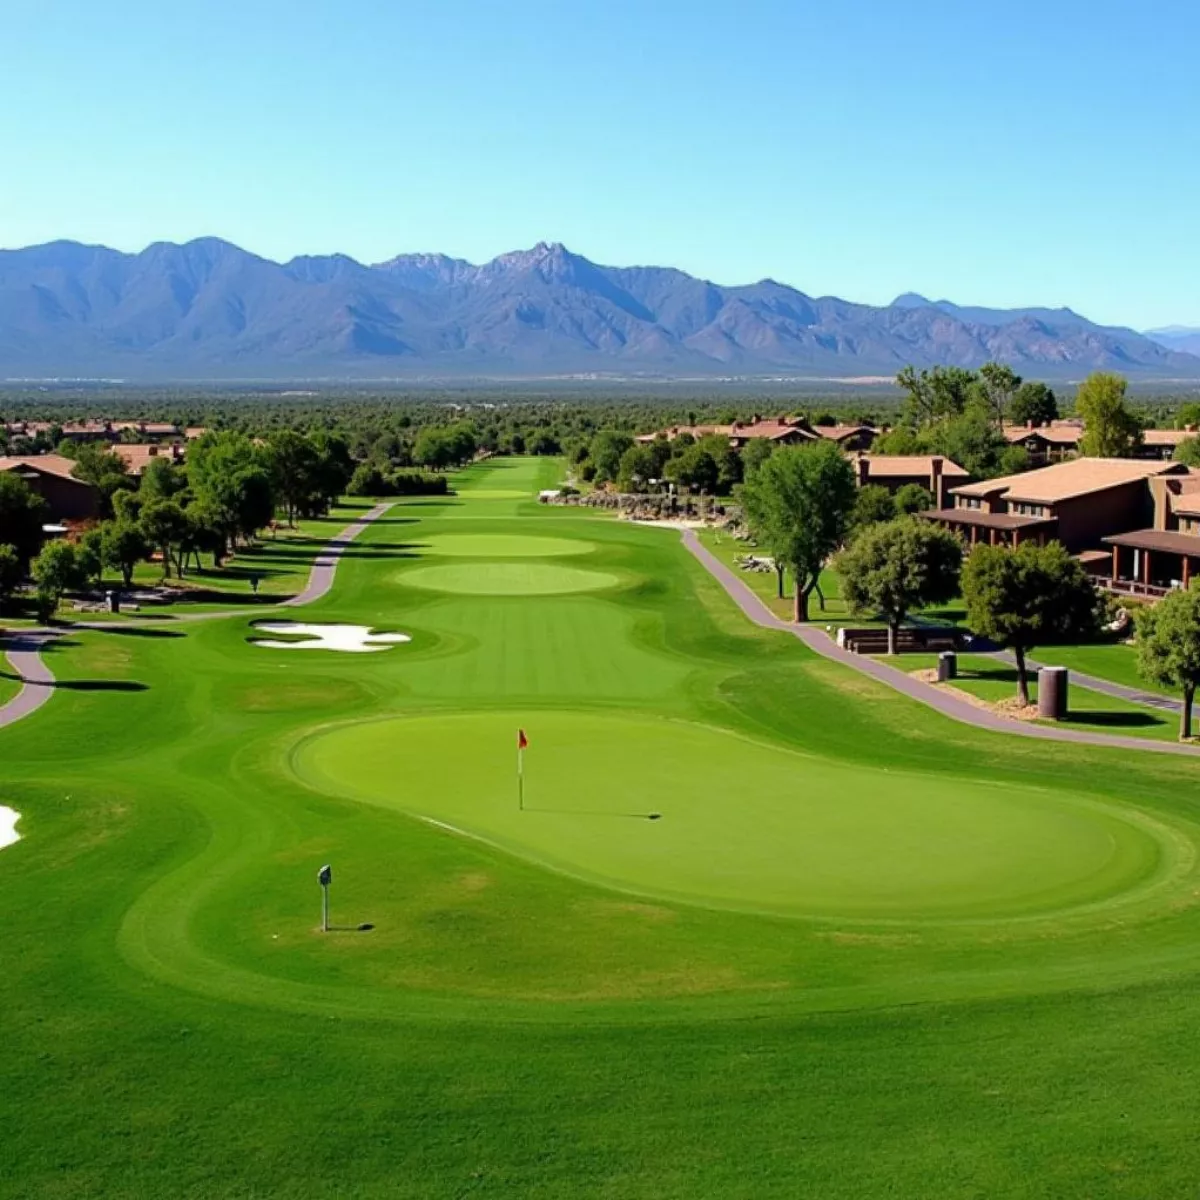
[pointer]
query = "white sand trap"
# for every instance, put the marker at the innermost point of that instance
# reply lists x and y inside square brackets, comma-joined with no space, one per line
[8,826]
[352,639]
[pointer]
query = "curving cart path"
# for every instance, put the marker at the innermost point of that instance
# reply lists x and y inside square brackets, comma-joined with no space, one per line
[943,700]
[24,646]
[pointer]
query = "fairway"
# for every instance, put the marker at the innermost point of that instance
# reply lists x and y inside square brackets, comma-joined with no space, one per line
[764,927]
[739,824]
[508,579]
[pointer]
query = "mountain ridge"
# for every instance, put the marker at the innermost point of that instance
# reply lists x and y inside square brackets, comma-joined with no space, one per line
[207,309]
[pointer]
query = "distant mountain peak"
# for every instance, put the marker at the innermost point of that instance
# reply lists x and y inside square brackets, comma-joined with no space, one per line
[209,310]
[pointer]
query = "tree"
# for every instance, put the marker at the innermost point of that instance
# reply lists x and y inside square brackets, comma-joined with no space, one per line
[1110,430]
[798,505]
[161,480]
[89,556]
[1188,452]
[695,468]
[755,453]
[912,498]
[22,514]
[638,466]
[607,447]
[55,570]
[1034,402]
[1025,597]
[896,566]
[367,480]
[1188,417]
[952,390]
[295,472]
[1168,647]
[105,471]
[996,386]
[11,572]
[123,546]
[872,504]
[972,441]
[164,525]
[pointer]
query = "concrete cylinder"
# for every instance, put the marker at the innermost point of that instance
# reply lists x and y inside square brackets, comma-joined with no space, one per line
[1052,693]
[947,667]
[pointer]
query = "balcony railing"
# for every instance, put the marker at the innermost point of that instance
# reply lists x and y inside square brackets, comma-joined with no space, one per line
[1131,587]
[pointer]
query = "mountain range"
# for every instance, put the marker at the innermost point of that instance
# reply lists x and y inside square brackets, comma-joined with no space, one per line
[210,310]
[1176,337]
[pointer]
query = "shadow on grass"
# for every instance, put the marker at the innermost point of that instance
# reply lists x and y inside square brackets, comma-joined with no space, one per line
[1113,720]
[135,631]
[80,685]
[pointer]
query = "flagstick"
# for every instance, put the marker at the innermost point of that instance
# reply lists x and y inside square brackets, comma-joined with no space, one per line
[520,779]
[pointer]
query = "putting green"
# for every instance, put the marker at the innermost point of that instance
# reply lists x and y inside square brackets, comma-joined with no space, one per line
[507,579]
[742,825]
[500,545]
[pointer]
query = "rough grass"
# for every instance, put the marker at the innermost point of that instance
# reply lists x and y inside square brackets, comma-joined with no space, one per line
[176,1026]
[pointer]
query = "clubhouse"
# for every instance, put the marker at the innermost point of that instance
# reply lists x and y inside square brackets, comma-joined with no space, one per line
[1133,523]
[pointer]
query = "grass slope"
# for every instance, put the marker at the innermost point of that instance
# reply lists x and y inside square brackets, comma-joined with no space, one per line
[976,979]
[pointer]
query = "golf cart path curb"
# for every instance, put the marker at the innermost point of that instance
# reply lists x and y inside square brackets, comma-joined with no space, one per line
[935,698]
[37,680]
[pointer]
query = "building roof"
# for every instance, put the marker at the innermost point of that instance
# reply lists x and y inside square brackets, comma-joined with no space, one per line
[771,430]
[1066,480]
[1055,435]
[137,456]
[839,433]
[902,466]
[1157,539]
[49,464]
[985,520]
[1166,437]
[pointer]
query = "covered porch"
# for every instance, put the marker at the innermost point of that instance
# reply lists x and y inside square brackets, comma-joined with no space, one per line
[1151,562]
[976,525]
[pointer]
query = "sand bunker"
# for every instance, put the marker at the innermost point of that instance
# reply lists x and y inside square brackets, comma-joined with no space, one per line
[352,639]
[8,826]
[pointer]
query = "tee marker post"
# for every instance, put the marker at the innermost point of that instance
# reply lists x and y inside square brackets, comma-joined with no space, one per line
[324,878]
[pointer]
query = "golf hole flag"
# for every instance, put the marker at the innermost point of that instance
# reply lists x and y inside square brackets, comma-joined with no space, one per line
[522,742]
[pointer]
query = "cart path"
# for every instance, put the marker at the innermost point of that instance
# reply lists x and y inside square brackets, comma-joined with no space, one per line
[942,700]
[23,649]
[1094,683]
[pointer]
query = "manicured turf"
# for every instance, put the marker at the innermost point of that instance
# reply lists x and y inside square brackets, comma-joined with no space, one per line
[507,579]
[866,951]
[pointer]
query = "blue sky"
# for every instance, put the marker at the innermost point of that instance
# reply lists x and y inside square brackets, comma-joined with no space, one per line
[1015,154]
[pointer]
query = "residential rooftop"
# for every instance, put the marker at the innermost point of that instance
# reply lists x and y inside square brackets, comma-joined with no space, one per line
[1065,480]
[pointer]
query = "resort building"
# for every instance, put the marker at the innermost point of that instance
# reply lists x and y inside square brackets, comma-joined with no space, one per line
[935,473]
[49,475]
[783,431]
[1054,442]
[137,457]
[1151,561]
[1081,502]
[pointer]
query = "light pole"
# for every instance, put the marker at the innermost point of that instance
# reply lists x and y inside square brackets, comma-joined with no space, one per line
[325,877]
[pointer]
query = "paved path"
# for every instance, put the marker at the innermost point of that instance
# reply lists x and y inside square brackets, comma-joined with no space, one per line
[320,578]
[24,655]
[942,699]
[24,646]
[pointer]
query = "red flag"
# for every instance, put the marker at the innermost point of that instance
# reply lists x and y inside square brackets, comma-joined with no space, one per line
[522,740]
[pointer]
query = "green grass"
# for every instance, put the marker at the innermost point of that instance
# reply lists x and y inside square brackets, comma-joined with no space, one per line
[1116,662]
[1089,710]
[866,951]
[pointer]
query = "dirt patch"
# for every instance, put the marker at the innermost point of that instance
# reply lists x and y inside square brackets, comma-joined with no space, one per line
[474,881]
[1010,707]
[871,939]
[653,913]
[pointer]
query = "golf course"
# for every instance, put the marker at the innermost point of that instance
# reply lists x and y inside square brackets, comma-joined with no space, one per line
[743,923]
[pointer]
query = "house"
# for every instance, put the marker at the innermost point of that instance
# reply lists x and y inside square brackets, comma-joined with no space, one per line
[1080,502]
[1162,443]
[1151,561]
[933,472]
[1046,443]
[49,475]
[784,431]
[849,437]
[137,457]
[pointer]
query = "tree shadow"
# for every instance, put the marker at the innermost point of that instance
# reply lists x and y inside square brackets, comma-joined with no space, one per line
[80,685]
[1112,720]
[135,631]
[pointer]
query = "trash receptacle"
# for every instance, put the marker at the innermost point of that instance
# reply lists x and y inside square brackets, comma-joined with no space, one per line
[947,667]
[1052,693]
[113,601]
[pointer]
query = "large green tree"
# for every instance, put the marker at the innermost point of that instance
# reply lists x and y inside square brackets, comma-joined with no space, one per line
[1033,402]
[165,526]
[1168,647]
[123,545]
[997,385]
[798,505]
[1025,597]
[22,514]
[55,571]
[1110,429]
[897,566]
[11,572]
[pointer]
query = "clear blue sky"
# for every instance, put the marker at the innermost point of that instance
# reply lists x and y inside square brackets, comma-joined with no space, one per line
[1002,154]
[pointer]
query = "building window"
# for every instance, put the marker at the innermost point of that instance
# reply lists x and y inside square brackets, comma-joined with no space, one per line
[969,502]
